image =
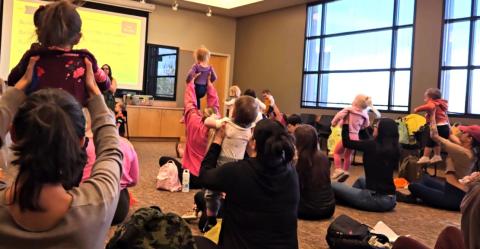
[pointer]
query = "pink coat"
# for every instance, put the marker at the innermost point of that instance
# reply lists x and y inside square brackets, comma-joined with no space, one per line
[196,131]
[358,119]
[130,169]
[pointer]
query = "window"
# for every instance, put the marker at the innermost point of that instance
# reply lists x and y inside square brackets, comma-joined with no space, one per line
[460,65]
[162,72]
[354,47]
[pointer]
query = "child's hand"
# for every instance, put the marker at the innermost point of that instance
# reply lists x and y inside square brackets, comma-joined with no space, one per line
[26,79]
[90,80]
[474,177]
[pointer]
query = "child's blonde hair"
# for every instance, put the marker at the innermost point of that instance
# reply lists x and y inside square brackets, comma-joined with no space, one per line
[362,101]
[202,54]
[234,91]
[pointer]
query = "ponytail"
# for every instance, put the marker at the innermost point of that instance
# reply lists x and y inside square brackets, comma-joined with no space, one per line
[275,146]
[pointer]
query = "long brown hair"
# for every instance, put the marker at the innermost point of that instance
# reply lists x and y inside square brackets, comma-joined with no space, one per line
[60,25]
[313,167]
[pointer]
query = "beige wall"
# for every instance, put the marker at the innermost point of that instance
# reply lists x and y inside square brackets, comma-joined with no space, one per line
[269,54]
[189,30]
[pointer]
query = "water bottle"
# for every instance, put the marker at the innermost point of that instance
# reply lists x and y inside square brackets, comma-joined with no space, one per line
[186,181]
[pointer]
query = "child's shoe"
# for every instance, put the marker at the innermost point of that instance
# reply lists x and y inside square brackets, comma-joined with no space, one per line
[337,173]
[211,222]
[436,159]
[343,177]
[423,160]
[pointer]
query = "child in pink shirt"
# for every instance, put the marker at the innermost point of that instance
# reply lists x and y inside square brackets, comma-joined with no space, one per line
[358,119]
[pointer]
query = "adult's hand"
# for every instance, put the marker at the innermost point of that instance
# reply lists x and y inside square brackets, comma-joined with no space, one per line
[26,79]
[91,84]
[433,127]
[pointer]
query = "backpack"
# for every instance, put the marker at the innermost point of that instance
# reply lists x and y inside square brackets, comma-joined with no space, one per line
[404,137]
[347,233]
[334,138]
[149,228]
[410,169]
[167,178]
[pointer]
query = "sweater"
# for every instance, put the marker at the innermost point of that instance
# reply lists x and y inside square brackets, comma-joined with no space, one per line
[86,223]
[202,79]
[460,161]
[357,120]
[260,209]
[130,167]
[441,109]
[195,129]
[378,172]
[60,69]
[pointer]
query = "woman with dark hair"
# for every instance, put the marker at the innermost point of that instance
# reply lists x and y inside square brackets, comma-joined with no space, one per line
[44,208]
[316,195]
[109,94]
[262,192]
[375,192]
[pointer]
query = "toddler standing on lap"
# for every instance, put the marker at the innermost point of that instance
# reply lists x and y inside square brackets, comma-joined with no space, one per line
[200,72]
[434,102]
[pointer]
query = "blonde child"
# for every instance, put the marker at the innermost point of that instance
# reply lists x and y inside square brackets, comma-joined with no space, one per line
[233,94]
[200,72]
[357,117]
[434,102]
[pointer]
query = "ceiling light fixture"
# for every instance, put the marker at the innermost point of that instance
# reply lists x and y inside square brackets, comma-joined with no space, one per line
[175,6]
[209,12]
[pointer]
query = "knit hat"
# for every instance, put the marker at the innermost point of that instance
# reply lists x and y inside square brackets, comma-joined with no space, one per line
[472,130]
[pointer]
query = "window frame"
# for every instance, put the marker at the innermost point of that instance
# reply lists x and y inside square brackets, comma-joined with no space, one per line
[151,75]
[469,67]
[391,70]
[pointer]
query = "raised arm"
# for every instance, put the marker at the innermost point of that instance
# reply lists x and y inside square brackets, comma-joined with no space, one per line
[339,116]
[355,145]
[428,107]
[210,176]
[212,97]
[191,73]
[212,122]
[13,98]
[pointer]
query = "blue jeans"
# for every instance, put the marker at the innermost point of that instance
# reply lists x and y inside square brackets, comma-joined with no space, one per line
[436,193]
[361,198]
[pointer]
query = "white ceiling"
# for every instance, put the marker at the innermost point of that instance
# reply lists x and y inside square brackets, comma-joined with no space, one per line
[251,9]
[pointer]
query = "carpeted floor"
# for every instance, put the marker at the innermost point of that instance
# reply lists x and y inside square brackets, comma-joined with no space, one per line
[422,223]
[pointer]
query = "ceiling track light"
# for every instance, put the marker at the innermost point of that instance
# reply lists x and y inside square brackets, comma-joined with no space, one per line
[209,12]
[175,5]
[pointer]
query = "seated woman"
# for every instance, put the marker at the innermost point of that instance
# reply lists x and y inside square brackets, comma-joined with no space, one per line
[43,208]
[461,159]
[316,195]
[196,133]
[130,169]
[262,192]
[375,192]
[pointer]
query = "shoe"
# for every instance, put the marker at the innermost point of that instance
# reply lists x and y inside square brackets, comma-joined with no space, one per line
[423,160]
[436,159]
[211,222]
[337,173]
[192,215]
[410,199]
[343,177]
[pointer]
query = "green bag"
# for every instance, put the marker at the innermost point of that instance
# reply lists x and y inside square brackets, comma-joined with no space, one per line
[404,138]
[149,228]
[334,138]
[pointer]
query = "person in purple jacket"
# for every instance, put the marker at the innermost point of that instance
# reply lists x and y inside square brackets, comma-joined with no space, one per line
[203,69]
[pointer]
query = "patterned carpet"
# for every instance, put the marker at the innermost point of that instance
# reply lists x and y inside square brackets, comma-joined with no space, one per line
[422,223]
